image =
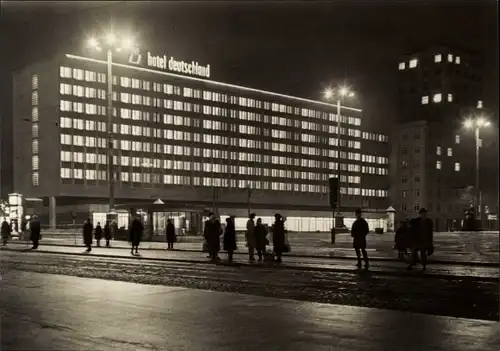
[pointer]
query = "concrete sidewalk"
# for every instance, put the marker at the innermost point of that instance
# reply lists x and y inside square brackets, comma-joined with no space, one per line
[452,253]
[70,313]
[435,270]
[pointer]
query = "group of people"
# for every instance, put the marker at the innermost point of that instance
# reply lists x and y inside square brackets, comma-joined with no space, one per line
[256,237]
[35,231]
[89,231]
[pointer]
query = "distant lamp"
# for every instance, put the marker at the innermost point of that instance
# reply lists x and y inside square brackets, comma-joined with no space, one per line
[328,93]
[93,43]
[468,123]
[344,91]
[128,43]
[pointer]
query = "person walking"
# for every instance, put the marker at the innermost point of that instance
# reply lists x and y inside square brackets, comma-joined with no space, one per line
[6,230]
[401,239]
[107,233]
[261,241]
[98,234]
[359,231]
[88,229]
[250,236]
[230,238]
[422,239]
[170,233]
[212,232]
[135,233]
[35,231]
[279,242]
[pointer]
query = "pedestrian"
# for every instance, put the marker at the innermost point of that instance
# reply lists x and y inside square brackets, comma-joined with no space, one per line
[35,231]
[261,241]
[98,234]
[212,232]
[135,232]
[279,242]
[6,230]
[230,238]
[250,236]
[88,229]
[170,232]
[401,239]
[422,239]
[107,233]
[359,231]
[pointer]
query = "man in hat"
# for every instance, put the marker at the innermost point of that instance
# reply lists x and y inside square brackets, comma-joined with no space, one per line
[422,231]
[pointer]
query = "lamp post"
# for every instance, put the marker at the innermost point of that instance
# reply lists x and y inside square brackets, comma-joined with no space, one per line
[476,123]
[339,94]
[110,43]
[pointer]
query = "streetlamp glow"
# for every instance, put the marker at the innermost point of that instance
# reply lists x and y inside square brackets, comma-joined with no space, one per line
[344,91]
[328,93]
[128,43]
[93,43]
[468,123]
[111,38]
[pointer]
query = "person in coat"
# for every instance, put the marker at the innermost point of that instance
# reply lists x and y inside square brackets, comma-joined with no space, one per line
[359,231]
[230,238]
[35,231]
[279,242]
[6,230]
[170,233]
[212,232]
[260,233]
[88,229]
[98,234]
[250,236]
[422,239]
[135,233]
[107,233]
[401,239]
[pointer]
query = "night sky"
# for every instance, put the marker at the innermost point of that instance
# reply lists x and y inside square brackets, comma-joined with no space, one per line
[293,47]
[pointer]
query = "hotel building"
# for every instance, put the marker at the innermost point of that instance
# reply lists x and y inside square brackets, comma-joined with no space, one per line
[186,139]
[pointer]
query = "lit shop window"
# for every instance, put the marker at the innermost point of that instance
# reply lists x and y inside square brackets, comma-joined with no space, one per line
[438,58]
[450,58]
[457,60]
[413,63]
[457,139]
[438,164]
[437,98]
[450,152]
[450,97]
[425,100]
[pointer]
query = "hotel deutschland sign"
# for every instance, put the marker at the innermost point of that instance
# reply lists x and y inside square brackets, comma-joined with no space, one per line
[167,63]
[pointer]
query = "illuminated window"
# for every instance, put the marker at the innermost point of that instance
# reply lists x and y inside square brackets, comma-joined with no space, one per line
[450,58]
[35,179]
[457,166]
[438,150]
[402,66]
[437,98]
[438,164]
[34,81]
[457,139]
[34,98]
[425,100]
[450,152]
[438,58]
[34,114]
[479,104]
[450,97]
[457,60]
[413,63]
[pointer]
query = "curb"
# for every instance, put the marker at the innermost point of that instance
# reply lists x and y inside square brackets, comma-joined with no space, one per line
[375,259]
[293,266]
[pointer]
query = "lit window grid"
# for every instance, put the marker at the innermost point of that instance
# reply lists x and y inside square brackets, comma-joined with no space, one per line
[35,159]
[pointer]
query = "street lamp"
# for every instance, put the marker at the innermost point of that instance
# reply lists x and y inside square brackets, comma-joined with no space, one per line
[340,94]
[110,43]
[476,123]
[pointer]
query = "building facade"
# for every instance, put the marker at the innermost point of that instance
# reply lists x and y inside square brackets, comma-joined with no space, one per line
[181,138]
[432,154]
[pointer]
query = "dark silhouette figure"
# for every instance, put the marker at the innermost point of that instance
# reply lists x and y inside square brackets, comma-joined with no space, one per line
[260,238]
[35,231]
[212,232]
[6,230]
[402,239]
[359,231]
[279,241]
[98,234]
[230,238]
[171,237]
[250,236]
[422,232]
[135,233]
[88,229]
[107,233]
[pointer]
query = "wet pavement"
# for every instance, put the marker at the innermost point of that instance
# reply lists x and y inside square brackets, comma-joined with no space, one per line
[422,292]
[456,247]
[51,312]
